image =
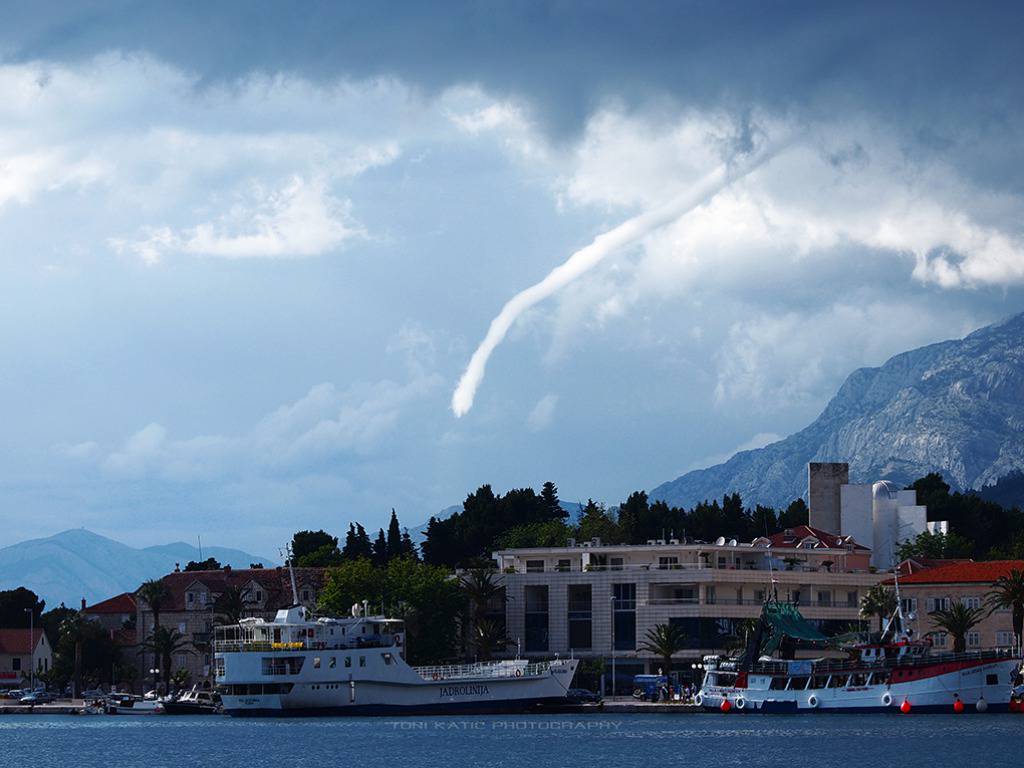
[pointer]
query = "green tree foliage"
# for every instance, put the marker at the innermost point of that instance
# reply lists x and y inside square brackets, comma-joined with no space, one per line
[473,532]
[357,543]
[394,541]
[164,643]
[552,533]
[156,595]
[315,549]
[664,641]
[958,620]
[231,604]
[83,652]
[427,597]
[1008,593]
[549,501]
[994,531]
[595,522]
[796,514]
[935,545]
[878,601]
[52,619]
[13,605]
[209,564]
[380,549]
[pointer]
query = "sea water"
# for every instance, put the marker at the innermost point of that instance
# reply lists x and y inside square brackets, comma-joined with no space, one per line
[706,740]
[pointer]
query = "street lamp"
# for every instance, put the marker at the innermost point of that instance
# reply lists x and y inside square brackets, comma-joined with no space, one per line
[155,672]
[612,616]
[32,647]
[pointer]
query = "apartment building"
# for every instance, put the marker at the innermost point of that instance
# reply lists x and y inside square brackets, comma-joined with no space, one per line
[598,601]
[967,582]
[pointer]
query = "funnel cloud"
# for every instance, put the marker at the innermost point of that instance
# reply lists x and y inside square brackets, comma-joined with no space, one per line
[588,257]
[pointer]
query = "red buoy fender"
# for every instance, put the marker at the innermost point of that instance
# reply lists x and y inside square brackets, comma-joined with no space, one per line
[725,706]
[905,707]
[958,706]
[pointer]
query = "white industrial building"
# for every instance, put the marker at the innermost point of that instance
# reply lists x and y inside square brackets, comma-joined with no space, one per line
[880,515]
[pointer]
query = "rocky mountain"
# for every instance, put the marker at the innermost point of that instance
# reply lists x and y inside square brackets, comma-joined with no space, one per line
[78,563]
[956,407]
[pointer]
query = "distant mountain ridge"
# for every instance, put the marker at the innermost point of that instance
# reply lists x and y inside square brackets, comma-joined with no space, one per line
[956,407]
[77,564]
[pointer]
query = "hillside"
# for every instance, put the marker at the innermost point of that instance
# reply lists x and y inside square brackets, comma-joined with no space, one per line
[956,407]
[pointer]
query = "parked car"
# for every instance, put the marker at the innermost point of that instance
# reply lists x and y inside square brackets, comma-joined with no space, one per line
[93,693]
[15,693]
[37,697]
[582,695]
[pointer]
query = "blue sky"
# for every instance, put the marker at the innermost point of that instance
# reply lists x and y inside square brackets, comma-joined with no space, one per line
[246,253]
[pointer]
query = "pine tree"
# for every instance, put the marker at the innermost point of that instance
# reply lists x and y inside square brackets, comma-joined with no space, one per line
[394,537]
[381,555]
[550,503]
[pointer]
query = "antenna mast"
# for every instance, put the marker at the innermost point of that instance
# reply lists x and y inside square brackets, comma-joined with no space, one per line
[286,553]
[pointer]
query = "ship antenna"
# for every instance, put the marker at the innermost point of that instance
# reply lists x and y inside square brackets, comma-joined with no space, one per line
[289,558]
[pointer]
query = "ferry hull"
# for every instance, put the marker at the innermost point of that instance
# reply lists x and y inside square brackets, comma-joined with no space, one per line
[506,707]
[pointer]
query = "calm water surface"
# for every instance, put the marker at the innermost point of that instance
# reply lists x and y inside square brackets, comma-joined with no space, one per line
[649,740]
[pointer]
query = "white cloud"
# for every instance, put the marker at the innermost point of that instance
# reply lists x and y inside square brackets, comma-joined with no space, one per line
[302,219]
[542,413]
[325,423]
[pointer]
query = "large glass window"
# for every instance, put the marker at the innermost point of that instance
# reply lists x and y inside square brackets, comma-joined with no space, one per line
[580,616]
[536,597]
[624,610]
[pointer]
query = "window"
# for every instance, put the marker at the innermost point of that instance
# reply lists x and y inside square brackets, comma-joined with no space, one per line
[202,598]
[316,662]
[739,596]
[668,563]
[624,620]
[348,661]
[333,662]
[851,599]
[824,597]
[16,664]
[190,597]
[305,594]
[580,616]
[536,605]
[937,604]
[362,661]
[940,639]
[971,602]
[387,658]
[1004,639]
[616,563]
[908,605]
[182,628]
[759,596]
[974,639]
[259,595]
[534,566]
[709,596]
[563,565]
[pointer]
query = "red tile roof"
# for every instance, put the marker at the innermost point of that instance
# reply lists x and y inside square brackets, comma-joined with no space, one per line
[985,572]
[18,641]
[792,537]
[917,564]
[123,603]
[275,583]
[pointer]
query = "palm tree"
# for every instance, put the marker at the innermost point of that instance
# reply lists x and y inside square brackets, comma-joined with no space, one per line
[156,594]
[481,587]
[664,641]
[1008,592]
[231,604]
[958,620]
[164,643]
[878,601]
[489,635]
[741,631]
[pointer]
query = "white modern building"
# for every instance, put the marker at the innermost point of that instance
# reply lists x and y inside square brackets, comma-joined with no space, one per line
[879,513]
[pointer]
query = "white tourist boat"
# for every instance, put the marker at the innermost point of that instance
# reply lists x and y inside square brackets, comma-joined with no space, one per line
[896,674]
[300,665]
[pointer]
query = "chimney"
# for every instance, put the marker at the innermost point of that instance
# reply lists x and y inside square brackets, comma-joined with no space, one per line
[227,569]
[83,603]
[177,567]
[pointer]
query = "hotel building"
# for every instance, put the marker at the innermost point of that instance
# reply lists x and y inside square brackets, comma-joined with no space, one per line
[598,601]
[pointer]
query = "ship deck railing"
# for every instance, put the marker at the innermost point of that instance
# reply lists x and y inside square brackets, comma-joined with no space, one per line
[482,670]
[836,665]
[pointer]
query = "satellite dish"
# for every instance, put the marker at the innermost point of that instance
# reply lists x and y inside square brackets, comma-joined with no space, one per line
[720,541]
[732,542]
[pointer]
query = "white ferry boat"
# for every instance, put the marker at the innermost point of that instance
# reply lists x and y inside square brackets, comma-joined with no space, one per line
[300,665]
[898,675]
